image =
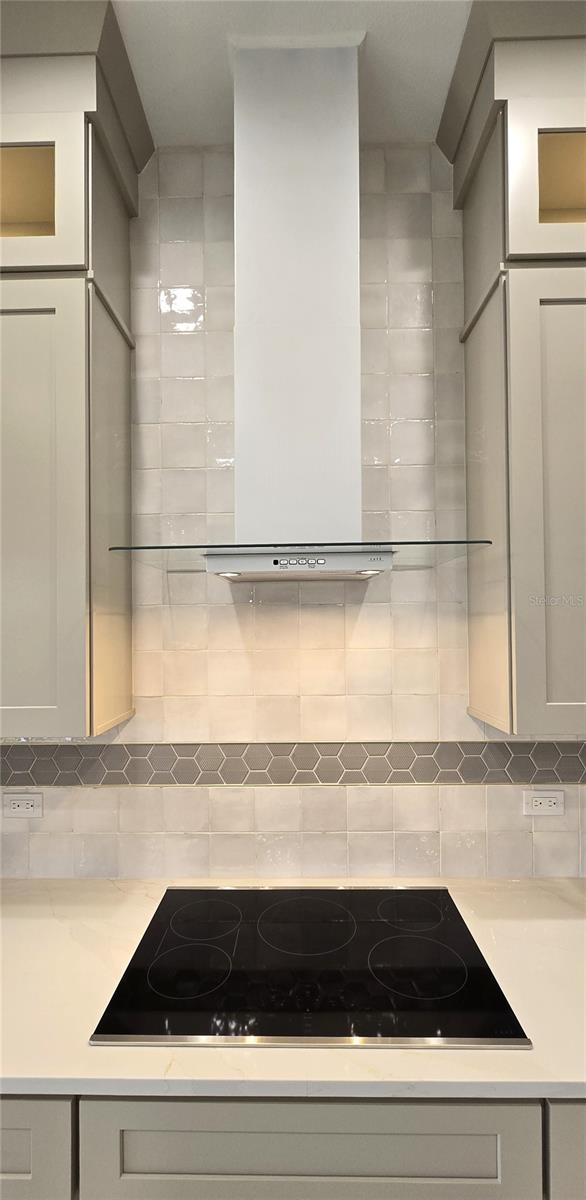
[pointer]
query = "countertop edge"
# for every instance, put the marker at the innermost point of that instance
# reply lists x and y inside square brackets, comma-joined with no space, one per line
[236,1088]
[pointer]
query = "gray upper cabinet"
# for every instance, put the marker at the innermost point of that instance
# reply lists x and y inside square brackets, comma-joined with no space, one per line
[521,181]
[547,470]
[70,189]
[526,487]
[42,205]
[533,190]
[44,507]
[66,602]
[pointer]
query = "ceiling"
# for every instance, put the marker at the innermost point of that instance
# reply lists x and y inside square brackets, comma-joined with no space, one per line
[179,51]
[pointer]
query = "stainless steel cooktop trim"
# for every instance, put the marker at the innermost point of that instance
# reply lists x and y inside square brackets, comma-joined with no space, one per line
[292,1043]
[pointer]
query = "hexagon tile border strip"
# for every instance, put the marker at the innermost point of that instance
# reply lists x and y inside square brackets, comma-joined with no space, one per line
[268,764]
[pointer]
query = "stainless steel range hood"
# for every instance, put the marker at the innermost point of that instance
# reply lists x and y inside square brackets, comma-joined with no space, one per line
[297,461]
[299,562]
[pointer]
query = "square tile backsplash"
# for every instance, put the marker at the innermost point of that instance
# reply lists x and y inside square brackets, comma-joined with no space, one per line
[274,721]
[281,662]
[289,832]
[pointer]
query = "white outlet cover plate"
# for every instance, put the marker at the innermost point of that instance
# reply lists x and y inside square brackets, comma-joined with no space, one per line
[544,802]
[23,804]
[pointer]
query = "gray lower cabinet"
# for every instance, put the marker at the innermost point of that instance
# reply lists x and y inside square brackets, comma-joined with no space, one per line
[309,1150]
[567,1150]
[36,1149]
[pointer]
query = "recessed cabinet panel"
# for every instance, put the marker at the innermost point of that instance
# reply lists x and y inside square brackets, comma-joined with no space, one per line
[308,1150]
[36,1150]
[547,402]
[27,194]
[43,446]
[563,417]
[562,176]
[43,208]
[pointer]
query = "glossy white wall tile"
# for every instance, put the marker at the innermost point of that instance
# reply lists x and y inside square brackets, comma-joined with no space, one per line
[303,652]
[327,830]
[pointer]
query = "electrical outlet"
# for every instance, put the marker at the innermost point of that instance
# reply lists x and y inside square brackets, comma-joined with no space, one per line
[23,804]
[544,803]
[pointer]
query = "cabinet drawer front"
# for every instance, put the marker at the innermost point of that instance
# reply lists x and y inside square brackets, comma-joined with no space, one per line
[567,1151]
[308,1150]
[36,1150]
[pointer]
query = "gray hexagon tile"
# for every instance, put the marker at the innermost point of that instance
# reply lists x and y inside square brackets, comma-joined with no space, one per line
[473,769]
[20,758]
[233,770]
[521,769]
[305,756]
[162,758]
[68,758]
[257,757]
[425,769]
[139,770]
[545,754]
[115,757]
[209,758]
[376,770]
[329,769]
[185,771]
[570,768]
[44,771]
[496,756]
[281,770]
[400,755]
[353,756]
[448,756]
[93,764]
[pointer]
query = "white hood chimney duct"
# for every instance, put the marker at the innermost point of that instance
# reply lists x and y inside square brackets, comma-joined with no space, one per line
[297,321]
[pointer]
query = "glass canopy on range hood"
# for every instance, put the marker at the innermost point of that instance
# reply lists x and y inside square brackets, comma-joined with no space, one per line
[302,561]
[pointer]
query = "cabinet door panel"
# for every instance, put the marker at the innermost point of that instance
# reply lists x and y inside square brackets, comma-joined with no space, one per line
[36,1150]
[567,1150]
[308,1150]
[65,246]
[532,230]
[547,366]
[43,448]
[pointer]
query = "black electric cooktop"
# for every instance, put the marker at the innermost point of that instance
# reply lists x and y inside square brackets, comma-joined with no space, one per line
[352,966]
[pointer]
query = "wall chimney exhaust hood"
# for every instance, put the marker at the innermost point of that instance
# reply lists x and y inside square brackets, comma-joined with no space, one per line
[297,417]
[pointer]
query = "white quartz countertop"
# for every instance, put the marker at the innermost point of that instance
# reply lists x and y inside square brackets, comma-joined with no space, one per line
[66,943]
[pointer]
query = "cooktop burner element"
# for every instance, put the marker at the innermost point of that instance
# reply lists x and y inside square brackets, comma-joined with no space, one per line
[344,966]
[306,926]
